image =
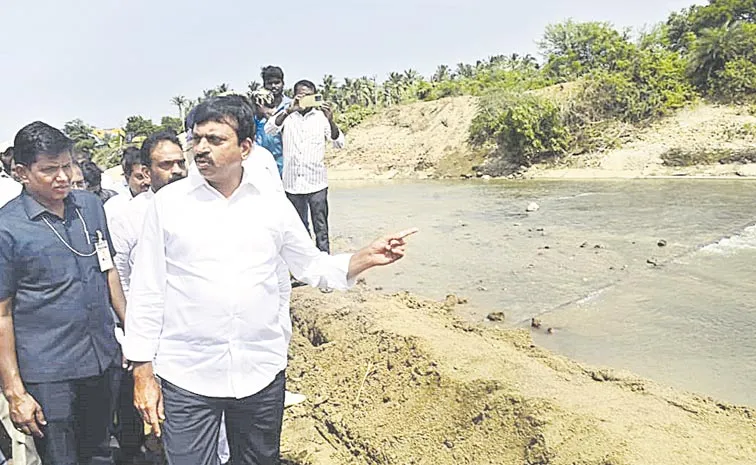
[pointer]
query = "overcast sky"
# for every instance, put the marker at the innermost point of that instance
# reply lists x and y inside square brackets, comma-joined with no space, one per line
[102,61]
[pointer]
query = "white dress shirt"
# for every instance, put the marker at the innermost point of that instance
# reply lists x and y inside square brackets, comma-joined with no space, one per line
[125,226]
[204,297]
[9,189]
[116,205]
[304,138]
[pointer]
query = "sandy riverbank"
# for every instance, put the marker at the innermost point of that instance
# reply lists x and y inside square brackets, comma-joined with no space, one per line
[398,380]
[429,140]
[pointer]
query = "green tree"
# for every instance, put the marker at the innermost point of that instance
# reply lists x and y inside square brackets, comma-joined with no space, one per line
[138,126]
[81,133]
[253,87]
[181,103]
[328,88]
[443,73]
[174,124]
[714,47]
[575,49]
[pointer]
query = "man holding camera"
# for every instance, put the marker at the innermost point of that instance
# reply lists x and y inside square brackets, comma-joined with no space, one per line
[305,126]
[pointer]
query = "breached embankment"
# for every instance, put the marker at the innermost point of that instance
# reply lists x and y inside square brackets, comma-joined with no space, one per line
[398,380]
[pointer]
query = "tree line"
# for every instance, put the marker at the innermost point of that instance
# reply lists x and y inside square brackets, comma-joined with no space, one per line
[611,76]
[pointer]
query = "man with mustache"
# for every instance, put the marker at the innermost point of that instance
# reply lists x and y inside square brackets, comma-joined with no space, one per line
[204,298]
[57,287]
[161,160]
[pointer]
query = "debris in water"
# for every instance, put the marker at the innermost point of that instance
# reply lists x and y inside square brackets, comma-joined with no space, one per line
[662,243]
[496,316]
[535,323]
[532,207]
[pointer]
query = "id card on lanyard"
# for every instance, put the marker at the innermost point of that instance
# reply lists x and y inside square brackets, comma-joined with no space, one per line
[103,253]
[102,250]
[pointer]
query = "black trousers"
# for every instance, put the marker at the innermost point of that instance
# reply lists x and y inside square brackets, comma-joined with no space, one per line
[316,206]
[129,429]
[78,414]
[253,426]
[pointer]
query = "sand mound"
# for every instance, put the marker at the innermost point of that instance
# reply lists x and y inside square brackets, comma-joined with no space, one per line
[397,380]
[701,127]
[417,140]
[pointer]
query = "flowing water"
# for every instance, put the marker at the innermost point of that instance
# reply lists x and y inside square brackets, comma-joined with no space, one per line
[652,276]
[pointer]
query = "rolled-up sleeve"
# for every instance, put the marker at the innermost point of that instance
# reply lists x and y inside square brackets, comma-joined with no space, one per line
[146,303]
[306,262]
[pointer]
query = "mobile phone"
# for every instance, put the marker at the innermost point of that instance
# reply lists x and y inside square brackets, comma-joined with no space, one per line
[311,101]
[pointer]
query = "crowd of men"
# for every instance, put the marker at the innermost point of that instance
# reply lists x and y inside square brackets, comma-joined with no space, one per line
[160,306]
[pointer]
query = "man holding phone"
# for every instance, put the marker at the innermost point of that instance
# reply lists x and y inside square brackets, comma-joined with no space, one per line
[305,126]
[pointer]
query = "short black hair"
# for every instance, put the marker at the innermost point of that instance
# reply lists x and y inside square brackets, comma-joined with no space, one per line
[131,156]
[91,173]
[153,141]
[235,109]
[271,72]
[305,83]
[36,139]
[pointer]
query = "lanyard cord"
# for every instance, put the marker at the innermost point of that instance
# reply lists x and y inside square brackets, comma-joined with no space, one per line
[86,233]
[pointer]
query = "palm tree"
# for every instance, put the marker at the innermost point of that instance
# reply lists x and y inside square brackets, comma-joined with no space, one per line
[464,70]
[714,48]
[441,74]
[328,87]
[411,77]
[253,87]
[181,102]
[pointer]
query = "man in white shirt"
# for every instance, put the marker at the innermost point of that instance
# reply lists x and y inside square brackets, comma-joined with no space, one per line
[162,161]
[9,188]
[305,131]
[204,298]
[137,179]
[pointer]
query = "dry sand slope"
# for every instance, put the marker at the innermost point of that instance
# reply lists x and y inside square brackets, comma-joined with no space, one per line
[417,140]
[429,139]
[396,380]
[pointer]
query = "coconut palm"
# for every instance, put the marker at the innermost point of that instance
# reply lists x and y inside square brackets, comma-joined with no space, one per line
[442,74]
[328,87]
[714,48]
[412,77]
[181,102]
[253,86]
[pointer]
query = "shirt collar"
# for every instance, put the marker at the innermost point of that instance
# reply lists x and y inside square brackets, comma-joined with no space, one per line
[34,209]
[250,176]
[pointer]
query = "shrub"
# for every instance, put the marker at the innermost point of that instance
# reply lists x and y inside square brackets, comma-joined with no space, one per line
[737,81]
[526,128]
[352,116]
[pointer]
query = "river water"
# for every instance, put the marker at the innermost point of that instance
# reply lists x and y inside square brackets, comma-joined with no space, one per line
[651,276]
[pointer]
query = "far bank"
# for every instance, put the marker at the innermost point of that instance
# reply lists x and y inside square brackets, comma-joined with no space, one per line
[430,140]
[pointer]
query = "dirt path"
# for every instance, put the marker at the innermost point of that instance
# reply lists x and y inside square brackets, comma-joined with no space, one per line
[396,380]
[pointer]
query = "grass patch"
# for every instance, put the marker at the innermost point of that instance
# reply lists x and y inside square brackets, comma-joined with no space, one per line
[679,157]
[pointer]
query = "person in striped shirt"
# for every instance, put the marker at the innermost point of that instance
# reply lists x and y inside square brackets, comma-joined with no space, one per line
[305,179]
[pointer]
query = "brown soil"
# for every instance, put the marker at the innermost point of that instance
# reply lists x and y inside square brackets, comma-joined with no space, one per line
[397,380]
[418,140]
[429,140]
